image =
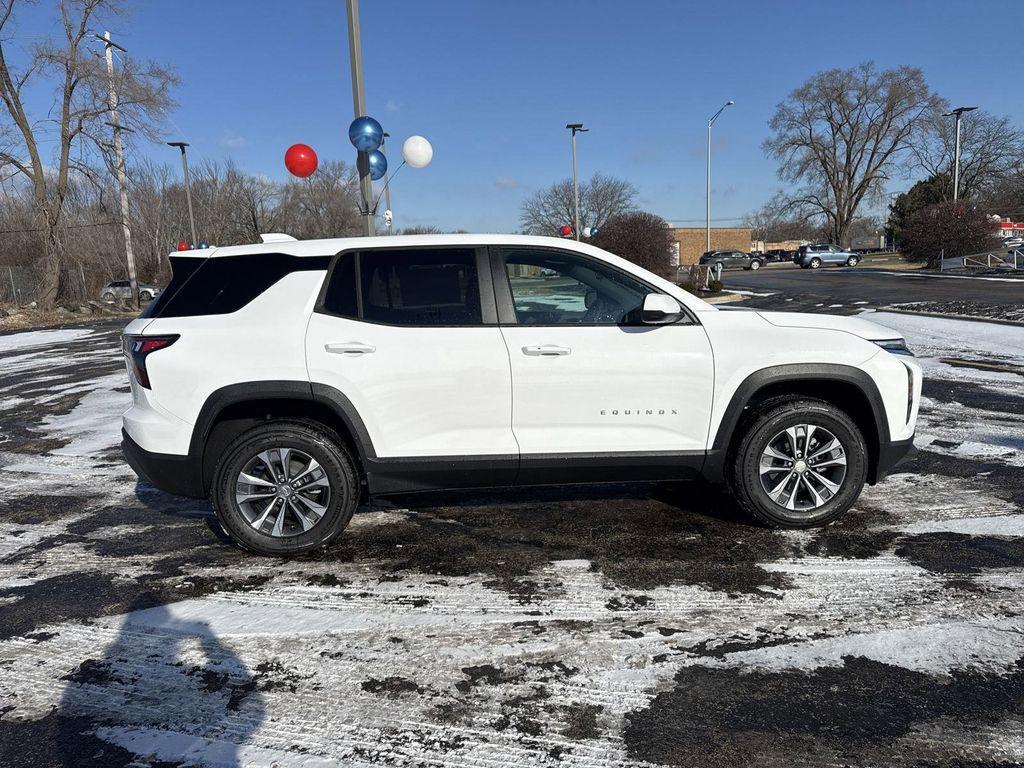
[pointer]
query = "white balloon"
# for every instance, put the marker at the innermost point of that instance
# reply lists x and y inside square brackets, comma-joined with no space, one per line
[417,152]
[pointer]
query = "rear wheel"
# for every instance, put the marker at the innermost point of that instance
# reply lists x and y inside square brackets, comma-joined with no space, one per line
[285,488]
[107,296]
[853,261]
[815,263]
[799,464]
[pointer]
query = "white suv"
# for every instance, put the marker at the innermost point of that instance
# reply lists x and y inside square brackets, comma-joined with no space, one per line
[289,380]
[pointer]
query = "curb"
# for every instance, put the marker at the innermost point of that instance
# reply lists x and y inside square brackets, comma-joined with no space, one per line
[974,318]
[725,298]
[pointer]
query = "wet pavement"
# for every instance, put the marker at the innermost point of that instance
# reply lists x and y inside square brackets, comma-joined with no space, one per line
[584,627]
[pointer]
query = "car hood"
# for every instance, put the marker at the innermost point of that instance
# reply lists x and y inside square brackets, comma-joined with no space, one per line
[855,325]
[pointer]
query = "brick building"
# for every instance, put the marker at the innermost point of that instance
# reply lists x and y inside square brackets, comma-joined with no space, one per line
[693,241]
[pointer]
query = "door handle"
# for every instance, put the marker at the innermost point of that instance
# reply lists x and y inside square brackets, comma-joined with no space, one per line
[350,348]
[546,350]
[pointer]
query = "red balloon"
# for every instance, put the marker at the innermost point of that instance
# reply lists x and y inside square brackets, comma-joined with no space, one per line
[300,160]
[566,230]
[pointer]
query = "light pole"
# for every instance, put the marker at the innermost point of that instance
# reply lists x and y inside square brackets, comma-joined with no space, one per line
[708,205]
[387,191]
[575,128]
[355,52]
[188,187]
[958,112]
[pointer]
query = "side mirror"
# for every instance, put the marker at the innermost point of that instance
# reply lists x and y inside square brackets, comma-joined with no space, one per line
[660,309]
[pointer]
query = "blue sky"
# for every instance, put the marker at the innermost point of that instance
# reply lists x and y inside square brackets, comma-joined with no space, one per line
[493,82]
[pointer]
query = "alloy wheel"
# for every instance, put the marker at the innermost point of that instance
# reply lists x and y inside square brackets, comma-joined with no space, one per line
[803,467]
[282,492]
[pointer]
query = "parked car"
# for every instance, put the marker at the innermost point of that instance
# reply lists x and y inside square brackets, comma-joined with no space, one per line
[341,370]
[731,260]
[122,289]
[814,256]
[777,254]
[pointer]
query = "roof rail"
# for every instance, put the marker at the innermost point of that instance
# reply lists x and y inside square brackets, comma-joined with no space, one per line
[276,237]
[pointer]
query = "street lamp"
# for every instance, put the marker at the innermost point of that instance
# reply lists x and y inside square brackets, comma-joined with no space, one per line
[708,206]
[188,187]
[575,128]
[958,112]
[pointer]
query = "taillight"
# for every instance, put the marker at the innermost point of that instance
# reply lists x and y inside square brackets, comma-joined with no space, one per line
[138,348]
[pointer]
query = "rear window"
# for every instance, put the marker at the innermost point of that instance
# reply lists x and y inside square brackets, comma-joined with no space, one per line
[218,286]
[412,287]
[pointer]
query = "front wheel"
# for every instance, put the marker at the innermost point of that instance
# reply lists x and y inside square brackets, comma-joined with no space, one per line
[853,261]
[107,296]
[801,463]
[754,265]
[285,488]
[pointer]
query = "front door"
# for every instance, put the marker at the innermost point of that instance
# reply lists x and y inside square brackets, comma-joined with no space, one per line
[593,389]
[402,334]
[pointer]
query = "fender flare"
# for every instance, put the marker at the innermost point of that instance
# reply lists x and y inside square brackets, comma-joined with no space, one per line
[256,391]
[714,466]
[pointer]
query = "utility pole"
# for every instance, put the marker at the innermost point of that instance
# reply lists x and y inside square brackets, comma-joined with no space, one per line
[707,209]
[355,52]
[387,190]
[122,177]
[575,128]
[958,113]
[188,188]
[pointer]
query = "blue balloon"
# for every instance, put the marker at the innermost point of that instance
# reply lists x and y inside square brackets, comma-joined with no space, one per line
[203,246]
[366,134]
[378,164]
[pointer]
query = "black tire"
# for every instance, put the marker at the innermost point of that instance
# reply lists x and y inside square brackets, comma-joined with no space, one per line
[315,441]
[755,264]
[107,296]
[145,296]
[853,261]
[774,416]
[815,263]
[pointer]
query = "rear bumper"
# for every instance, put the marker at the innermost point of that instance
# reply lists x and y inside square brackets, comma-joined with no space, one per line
[891,455]
[179,475]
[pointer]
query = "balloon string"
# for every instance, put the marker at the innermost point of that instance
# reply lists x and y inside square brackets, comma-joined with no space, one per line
[382,189]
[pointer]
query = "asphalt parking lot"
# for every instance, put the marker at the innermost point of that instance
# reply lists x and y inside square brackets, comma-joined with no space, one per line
[861,287]
[621,627]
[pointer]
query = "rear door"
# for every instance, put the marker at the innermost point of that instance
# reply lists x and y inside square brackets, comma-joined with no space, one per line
[408,338]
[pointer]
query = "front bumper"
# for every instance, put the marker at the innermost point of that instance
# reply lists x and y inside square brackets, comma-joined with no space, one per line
[891,455]
[178,475]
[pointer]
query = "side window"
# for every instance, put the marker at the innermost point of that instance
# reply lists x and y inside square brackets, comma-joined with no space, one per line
[420,286]
[340,296]
[223,284]
[560,288]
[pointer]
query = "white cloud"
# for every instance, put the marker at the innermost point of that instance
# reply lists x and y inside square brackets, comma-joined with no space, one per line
[392,106]
[232,140]
[506,182]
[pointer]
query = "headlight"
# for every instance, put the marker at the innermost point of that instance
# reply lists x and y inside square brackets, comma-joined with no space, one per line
[896,346]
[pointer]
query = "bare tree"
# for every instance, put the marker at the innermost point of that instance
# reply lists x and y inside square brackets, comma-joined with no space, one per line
[783,218]
[991,148]
[843,132]
[324,205]
[75,120]
[601,198]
